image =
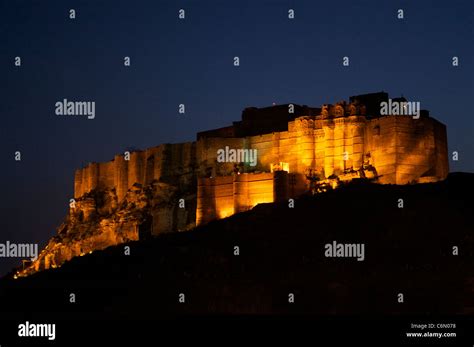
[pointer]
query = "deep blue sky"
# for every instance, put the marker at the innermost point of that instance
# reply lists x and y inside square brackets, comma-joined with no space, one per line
[191,62]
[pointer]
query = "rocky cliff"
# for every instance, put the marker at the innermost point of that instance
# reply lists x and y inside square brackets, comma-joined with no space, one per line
[98,220]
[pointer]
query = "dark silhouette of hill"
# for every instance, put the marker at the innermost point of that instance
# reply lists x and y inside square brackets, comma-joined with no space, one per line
[407,250]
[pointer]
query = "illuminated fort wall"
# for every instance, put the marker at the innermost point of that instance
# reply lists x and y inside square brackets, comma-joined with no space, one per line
[220,197]
[172,163]
[402,149]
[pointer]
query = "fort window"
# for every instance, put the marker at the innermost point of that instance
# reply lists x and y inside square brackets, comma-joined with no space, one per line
[377,130]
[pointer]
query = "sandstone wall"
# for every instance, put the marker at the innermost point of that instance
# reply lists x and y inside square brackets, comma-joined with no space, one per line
[405,150]
[215,198]
[252,189]
[106,175]
[206,155]
[221,197]
[402,149]
[178,165]
[381,147]
[120,176]
[170,162]
[441,149]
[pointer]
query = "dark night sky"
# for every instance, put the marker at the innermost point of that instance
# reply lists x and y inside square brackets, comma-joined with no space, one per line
[191,62]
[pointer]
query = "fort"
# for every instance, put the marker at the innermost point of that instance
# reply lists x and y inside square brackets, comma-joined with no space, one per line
[330,140]
[297,145]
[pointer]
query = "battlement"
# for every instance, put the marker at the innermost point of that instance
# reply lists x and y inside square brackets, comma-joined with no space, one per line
[165,162]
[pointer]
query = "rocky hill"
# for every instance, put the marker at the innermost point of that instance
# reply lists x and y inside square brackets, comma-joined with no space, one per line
[281,251]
